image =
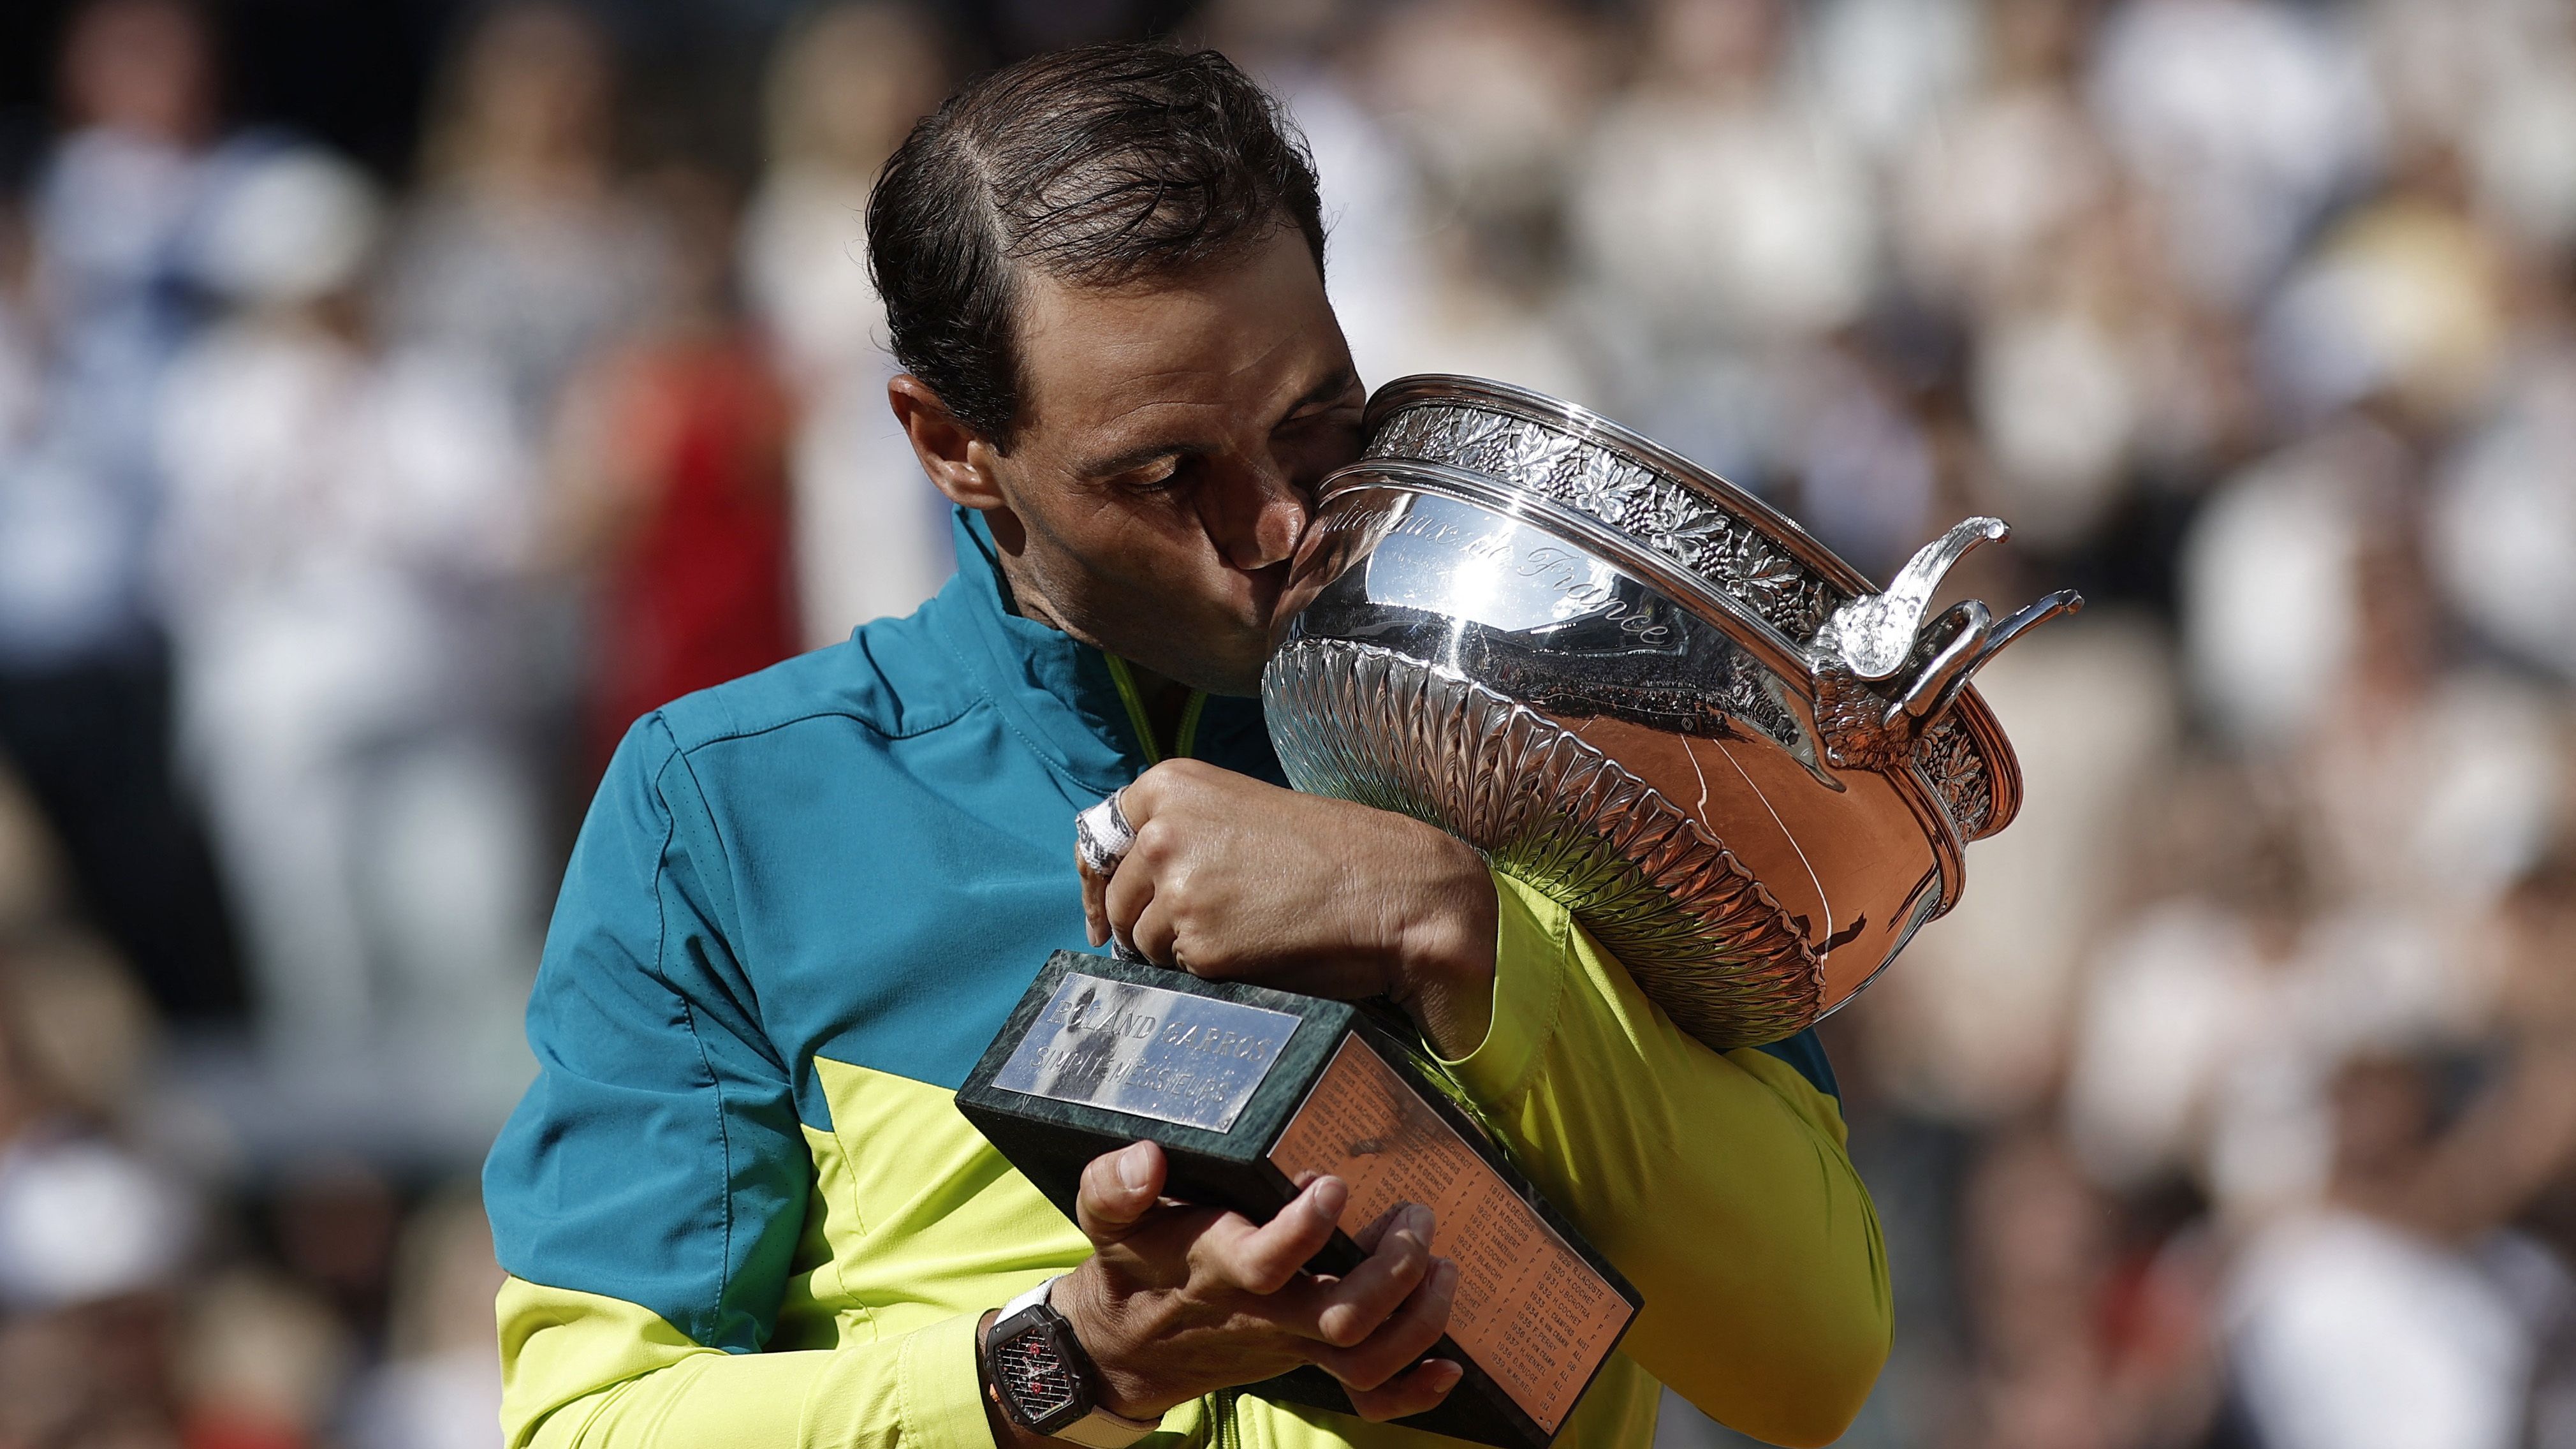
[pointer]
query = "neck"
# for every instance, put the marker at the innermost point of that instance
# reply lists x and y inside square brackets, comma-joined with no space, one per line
[1159,705]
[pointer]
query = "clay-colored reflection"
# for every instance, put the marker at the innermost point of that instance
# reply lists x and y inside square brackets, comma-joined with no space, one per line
[1850,865]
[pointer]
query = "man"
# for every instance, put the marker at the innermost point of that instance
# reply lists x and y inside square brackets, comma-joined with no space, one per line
[739,1207]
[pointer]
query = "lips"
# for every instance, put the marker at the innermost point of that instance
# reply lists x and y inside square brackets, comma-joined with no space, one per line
[1263,588]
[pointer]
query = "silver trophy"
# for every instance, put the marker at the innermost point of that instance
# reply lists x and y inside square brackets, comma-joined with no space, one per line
[1749,774]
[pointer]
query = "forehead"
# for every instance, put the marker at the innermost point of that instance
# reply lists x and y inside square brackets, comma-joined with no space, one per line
[1222,338]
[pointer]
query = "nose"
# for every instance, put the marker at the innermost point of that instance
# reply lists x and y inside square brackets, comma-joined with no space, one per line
[1259,522]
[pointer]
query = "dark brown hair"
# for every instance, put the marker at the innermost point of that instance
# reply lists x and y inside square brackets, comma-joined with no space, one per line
[1099,166]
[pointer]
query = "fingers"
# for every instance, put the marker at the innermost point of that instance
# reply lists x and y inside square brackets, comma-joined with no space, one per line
[1405,1337]
[1101,839]
[1417,1390]
[1124,898]
[1118,1189]
[1117,895]
[1348,1311]
[1267,1258]
[1152,789]
[1375,1233]
[1095,901]
[1156,931]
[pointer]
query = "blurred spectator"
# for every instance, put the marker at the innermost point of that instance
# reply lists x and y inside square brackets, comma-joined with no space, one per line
[2431,784]
[1716,198]
[520,249]
[2396,1312]
[1444,132]
[1491,99]
[346,522]
[96,295]
[261,1362]
[1378,266]
[847,82]
[2080,1339]
[442,1374]
[1885,69]
[519,256]
[2405,299]
[2495,79]
[1719,217]
[673,463]
[1874,457]
[2503,525]
[2269,579]
[91,1243]
[2242,118]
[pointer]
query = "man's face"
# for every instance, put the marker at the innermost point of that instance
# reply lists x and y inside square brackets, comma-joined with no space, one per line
[1172,435]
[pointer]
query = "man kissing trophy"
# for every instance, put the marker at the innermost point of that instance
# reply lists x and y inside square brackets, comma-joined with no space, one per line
[1747,776]
[1468,1087]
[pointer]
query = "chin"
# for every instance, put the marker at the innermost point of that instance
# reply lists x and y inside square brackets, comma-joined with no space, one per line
[1234,668]
[1239,681]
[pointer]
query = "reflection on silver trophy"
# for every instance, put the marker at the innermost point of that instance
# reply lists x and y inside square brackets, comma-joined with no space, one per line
[1750,775]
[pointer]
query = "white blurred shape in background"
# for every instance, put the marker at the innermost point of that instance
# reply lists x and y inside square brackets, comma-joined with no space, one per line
[871,534]
[338,515]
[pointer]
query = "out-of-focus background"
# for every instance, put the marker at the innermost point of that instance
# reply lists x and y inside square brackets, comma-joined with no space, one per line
[395,399]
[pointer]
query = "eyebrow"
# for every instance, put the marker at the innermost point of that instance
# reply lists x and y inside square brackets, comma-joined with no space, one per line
[1331,387]
[1341,381]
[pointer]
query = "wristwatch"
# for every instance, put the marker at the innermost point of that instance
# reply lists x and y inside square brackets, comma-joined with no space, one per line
[1036,1370]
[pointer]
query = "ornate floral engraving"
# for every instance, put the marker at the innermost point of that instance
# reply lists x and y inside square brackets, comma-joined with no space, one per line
[1948,757]
[1676,521]
[1687,527]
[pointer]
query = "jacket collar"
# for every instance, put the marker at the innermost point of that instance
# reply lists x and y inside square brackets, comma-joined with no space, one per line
[1059,694]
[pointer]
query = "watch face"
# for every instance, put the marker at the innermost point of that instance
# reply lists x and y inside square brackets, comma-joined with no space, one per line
[1034,1377]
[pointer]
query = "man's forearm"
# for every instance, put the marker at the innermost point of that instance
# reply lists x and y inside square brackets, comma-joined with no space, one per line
[1717,1183]
[580,1371]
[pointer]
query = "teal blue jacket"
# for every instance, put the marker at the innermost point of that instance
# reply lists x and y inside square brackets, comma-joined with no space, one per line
[801,905]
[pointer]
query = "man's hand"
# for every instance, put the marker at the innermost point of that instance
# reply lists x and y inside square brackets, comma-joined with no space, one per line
[1234,880]
[1179,1301]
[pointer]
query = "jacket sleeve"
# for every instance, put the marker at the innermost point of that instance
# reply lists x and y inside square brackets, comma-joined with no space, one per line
[647,1196]
[1718,1182]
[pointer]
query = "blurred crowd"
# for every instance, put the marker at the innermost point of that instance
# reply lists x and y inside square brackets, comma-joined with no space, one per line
[347,518]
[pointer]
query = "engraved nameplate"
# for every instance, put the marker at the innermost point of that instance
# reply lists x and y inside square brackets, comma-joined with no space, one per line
[1168,1055]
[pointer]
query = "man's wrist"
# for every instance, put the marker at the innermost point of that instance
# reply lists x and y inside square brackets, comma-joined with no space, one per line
[1079,1297]
[1445,956]
[1104,1424]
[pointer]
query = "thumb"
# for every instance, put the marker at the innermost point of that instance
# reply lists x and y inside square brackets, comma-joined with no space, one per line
[1118,1189]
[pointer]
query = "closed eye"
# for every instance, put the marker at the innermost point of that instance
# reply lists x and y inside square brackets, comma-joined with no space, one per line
[1158,477]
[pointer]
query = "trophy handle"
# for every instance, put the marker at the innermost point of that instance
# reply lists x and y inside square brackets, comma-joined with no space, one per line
[1875,637]
[1946,672]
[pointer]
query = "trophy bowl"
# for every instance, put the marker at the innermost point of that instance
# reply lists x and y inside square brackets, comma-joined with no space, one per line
[1749,775]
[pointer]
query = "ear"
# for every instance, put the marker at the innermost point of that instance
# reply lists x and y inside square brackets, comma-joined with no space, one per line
[955,456]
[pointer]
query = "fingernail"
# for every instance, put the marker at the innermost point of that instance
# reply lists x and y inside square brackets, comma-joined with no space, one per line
[1330,1194]
[1133,1169]
[1446,1374]
[1421,1221]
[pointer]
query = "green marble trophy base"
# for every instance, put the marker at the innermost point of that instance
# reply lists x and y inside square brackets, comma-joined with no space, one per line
[1253,1092]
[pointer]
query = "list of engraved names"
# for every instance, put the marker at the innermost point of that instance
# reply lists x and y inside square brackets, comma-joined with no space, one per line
[1529,1310]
